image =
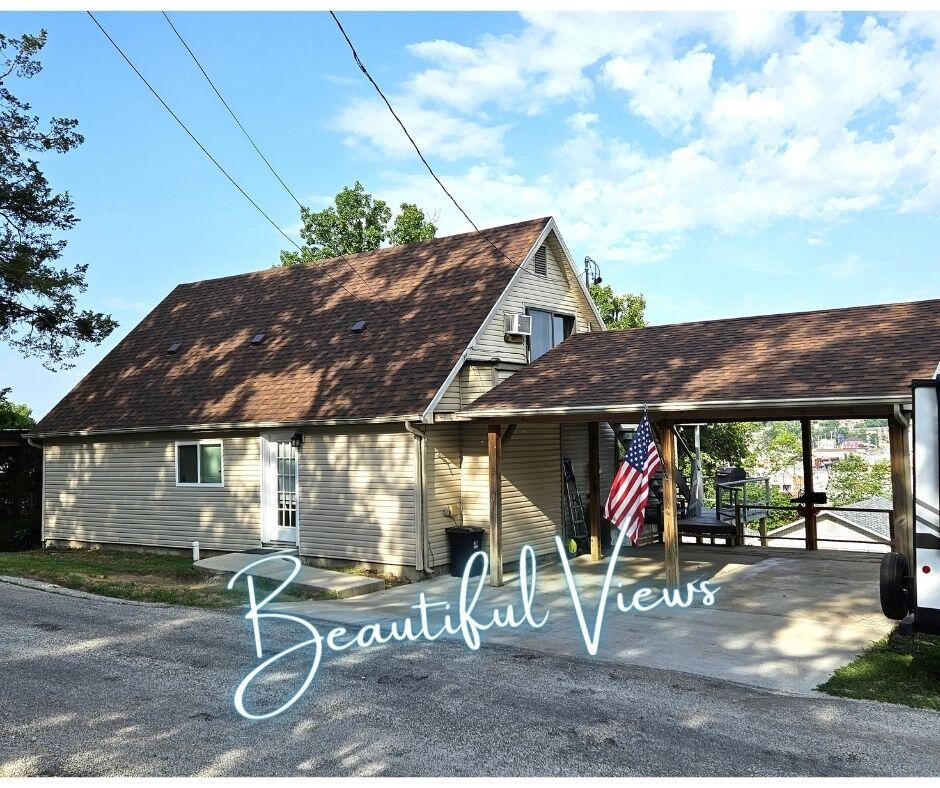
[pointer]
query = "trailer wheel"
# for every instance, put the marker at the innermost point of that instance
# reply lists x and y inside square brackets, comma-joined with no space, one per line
[895,596]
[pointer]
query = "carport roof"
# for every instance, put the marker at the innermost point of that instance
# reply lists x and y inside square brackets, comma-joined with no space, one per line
[835,362]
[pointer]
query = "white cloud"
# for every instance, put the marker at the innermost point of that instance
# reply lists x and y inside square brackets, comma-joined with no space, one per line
[747,123]
[668,93]
[444,135]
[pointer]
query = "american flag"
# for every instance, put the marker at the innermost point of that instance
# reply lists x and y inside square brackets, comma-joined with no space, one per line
[631,487]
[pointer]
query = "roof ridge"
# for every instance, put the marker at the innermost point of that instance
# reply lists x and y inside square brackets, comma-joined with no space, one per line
[356,256]
[797,313]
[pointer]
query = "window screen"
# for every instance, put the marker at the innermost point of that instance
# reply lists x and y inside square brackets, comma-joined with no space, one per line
[548,330]
[210,463]
[540,342]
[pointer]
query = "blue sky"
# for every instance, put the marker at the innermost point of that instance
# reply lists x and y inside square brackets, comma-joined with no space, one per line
[721,164]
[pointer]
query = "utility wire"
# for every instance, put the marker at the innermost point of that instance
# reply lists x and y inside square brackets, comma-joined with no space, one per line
[230,111]
[274,172]
[414,144]
[245,194]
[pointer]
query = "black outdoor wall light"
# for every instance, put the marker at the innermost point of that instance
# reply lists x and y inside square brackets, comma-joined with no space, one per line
[297,440]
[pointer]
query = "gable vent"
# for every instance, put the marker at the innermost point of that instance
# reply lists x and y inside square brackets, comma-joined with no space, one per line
[358,326]
[257,339]
[174,348]
[540,262]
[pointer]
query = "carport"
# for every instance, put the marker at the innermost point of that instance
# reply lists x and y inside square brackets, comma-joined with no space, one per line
[829,364]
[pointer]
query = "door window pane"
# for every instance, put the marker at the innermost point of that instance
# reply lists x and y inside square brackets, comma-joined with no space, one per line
[187,464]
[210,463]
[541,340]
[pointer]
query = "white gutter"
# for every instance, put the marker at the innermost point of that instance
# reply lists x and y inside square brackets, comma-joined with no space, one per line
[420,484]
[242,425]
[427,416]
[666,407]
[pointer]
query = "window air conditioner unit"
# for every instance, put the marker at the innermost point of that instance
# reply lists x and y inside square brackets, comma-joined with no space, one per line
[517,324]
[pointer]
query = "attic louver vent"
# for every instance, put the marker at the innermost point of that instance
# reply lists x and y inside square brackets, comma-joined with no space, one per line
[174,348]
[541,262]
[358,326]
[257,339]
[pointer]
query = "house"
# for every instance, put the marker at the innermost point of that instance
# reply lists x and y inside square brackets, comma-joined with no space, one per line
[314,407]
[842,530]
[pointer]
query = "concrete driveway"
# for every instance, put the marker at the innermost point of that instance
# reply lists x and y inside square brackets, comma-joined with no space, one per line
[782,619]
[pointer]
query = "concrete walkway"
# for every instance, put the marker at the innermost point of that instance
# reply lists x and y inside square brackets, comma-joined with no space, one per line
[341,585]
[782,619]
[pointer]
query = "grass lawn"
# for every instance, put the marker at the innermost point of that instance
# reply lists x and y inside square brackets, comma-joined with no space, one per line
[899,669]
[144,577]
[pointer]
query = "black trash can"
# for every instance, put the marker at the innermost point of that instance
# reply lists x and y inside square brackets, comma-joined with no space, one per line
[463,542]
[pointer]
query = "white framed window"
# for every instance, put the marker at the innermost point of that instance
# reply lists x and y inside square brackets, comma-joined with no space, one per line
[199,463]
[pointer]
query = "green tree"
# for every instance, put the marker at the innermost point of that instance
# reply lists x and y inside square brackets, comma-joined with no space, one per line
[14,416]
[852,479]
[39,315]
[778,445]
[619,311]
[356,222]
[411,226]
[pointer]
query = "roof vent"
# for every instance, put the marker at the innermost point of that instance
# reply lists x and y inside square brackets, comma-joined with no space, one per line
[174,348]
[541,262]
[358,326]
[257,339]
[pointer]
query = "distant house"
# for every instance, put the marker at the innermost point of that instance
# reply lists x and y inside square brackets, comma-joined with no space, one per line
[280,408]
[869,531]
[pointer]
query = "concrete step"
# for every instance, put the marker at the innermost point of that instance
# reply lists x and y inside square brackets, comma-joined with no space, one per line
[339,584]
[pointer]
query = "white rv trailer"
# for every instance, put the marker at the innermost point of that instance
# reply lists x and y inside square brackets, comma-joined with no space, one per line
[915,589]
[925,583]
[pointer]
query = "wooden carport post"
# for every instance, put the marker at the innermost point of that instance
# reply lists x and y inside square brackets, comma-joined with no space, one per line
[809,518]
[670,525]
[594,489]
[494,448]
[902,498]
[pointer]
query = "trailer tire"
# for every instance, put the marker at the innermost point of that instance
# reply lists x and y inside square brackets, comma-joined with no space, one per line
[895,595]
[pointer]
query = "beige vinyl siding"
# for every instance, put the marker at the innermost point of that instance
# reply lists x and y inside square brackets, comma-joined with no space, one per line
[443,466]
[574,446]
[450,399]
[473,381]
[559,292]
[357,495]
[123,490]
[531,486]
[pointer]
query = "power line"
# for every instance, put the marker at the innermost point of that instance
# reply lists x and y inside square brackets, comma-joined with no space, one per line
[274,172]
[414,144]
[245,194]
[230,111]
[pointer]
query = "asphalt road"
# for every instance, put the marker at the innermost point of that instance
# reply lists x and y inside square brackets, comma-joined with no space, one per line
[90,686]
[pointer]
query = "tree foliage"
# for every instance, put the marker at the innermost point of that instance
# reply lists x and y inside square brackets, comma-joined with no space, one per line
[357,222]
[14,416]
[852,479]
[619,311]
[39,315]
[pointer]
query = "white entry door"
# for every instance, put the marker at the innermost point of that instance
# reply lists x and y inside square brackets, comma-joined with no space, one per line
[279,498]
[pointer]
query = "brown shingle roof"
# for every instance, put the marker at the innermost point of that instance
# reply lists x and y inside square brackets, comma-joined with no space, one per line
[868,351]
[310,366]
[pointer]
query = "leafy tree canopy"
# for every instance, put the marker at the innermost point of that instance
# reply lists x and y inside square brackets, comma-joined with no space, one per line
[14,416]
[852,479]
[619,311]
[39,315]
[357,222]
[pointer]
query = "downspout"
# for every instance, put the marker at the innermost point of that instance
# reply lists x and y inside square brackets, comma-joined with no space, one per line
[420,484]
